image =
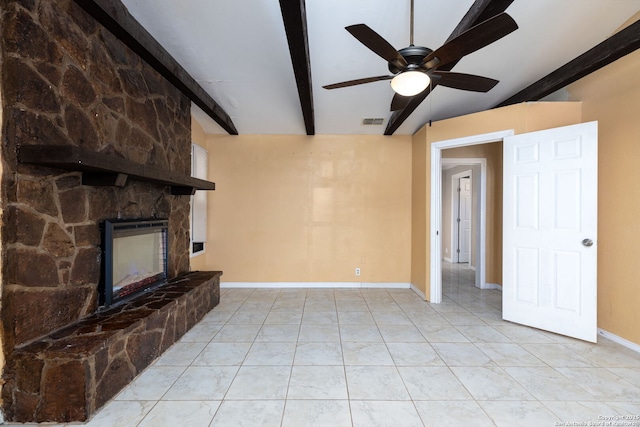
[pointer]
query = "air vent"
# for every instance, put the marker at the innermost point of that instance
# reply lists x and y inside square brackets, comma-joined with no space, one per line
[369,121]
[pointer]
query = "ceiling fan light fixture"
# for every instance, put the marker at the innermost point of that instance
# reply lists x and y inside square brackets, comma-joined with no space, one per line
[410,83]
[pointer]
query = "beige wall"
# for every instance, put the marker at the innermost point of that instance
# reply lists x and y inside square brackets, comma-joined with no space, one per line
[612,97]
[291,208]
[526,117]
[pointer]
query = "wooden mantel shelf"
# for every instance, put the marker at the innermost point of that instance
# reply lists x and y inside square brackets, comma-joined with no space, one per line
[99,169]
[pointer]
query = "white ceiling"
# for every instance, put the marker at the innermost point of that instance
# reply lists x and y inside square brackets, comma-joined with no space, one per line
[238,52]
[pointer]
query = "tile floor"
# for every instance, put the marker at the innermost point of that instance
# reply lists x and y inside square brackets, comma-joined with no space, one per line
[376,357]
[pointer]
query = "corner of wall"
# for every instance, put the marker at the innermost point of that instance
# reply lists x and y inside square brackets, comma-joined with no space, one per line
[2,196]
[199,137]
[198,134]
[419,220]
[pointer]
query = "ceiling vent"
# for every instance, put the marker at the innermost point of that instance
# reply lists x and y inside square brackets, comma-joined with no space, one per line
[369,121]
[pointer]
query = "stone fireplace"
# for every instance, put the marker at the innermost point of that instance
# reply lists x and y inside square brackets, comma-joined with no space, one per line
[72,93]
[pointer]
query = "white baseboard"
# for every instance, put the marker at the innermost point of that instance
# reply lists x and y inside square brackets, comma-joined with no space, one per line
[418,291]
[623,342]
[385,285]
[381,285]
[492,286]
[448,259]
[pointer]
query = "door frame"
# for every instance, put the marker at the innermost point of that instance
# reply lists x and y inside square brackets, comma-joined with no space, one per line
[435,273]
[455,208]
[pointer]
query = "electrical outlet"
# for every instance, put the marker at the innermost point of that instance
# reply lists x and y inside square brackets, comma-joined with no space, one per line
[357,271]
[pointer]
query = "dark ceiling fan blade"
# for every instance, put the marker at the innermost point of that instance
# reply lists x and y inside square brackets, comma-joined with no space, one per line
[357,82]
[399,102]
[377,44]
[464,81]
[473,39]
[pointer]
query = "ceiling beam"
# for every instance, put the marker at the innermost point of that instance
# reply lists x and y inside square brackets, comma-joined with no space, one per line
[295,25]
[615,47]
[115,17]
[480,11]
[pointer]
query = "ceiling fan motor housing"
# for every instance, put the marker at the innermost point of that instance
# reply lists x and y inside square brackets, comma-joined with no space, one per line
[413,55]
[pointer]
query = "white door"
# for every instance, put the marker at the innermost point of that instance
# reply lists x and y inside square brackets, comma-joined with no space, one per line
[464,220]
[550,230]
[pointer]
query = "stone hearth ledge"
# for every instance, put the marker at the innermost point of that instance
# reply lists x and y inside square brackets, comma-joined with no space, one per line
[68,375]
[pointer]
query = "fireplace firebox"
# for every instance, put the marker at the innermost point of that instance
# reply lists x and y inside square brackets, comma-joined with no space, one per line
[134,258]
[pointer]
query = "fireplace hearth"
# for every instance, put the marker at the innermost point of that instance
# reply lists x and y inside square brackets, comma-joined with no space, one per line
[68,375]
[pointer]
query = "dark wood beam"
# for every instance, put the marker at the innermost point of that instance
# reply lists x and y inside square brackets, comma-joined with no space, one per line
[480,11]
[615,47]
[113,16]
[295,24]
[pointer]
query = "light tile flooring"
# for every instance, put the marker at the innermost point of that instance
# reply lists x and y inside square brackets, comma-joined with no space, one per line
[376,357]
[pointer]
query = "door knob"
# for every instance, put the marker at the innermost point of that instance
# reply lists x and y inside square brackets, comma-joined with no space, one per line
[587,242]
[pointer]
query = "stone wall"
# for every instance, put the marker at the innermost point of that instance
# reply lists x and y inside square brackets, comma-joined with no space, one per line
[65,80]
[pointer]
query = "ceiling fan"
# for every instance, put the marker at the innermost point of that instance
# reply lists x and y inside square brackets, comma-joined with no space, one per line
[415,67]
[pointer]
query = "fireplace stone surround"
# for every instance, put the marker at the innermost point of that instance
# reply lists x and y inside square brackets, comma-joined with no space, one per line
[68,375]
[67,82]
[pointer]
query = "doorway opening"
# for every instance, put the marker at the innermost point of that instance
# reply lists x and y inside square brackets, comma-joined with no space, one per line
[436,227]
[459,213]
[462,218]
[463,212]
[545,207]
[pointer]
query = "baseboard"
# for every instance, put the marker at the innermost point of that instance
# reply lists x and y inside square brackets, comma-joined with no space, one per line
[385,285]
[447,259]
[418,291]
[623,342]
[381,285]
[288,284]
[492,286]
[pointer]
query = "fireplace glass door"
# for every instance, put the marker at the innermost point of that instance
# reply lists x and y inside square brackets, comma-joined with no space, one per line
[135,257]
